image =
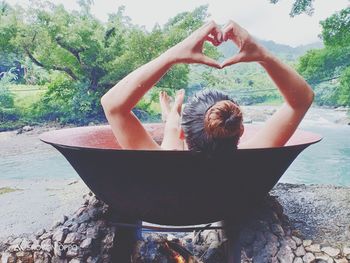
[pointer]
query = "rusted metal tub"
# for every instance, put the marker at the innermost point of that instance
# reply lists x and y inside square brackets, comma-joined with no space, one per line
[174,187]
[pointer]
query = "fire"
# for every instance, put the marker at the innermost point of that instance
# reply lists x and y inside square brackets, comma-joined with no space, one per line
[179,259]
[175,255]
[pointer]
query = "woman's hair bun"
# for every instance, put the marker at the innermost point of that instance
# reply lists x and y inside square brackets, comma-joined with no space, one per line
[232,121]
[211,121]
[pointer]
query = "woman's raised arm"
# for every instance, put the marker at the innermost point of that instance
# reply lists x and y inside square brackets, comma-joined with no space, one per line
[297,94]
[122,98]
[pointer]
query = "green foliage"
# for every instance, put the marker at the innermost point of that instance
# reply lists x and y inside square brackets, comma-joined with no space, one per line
[247,83]
[7,110]
[82,57]
[6,97]
[344,89]
[67,101]
[332,63]
[336,29]
[299,7]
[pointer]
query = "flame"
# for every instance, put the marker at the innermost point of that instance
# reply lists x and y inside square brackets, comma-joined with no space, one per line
[175,255]
[179,259]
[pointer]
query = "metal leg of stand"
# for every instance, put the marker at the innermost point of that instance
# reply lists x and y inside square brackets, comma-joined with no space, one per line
[234,247]
[125,239]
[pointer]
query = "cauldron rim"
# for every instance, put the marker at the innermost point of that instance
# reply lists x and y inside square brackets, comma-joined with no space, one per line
[49,138]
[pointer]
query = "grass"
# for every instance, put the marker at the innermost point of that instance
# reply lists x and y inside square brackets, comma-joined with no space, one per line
[26,95]
[5,190]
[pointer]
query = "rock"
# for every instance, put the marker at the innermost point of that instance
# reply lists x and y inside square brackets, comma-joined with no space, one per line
[86,243]
[92,232]
[8,258]
[60,234]
[297,240]
[17,241]
[84,217]
[333,252]
[213,252]
[45,236]
[59,249]
[73,251]
[94,201]
[307,243]
[309,258]
[61,221]
[94,213]
[290,242]
[300,251]
[285,255]
[76,260]
[247,236]
[46,245]
[277,230]
[107,241]
[14,248]
[27,128]
[258,245]
[82,228]
[80,211]
[341,260]
[74,227]
[322,258]
[314,248]
[40,232]
[298,260]
[36,245]
[58,260]
[24,257]
[72,238]
[346,251]
[41,257]
[26,244]
[93,259]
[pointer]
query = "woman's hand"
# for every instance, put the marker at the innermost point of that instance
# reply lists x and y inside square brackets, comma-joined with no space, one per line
[249,51]
[190,50]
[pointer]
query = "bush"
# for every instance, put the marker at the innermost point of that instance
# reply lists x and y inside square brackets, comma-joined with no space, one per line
[8,114]
[6,97]
[68,102]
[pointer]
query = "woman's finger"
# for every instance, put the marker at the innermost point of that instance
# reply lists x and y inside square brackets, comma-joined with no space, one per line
[212,40]
[230,61]
[207,61]
[213,29]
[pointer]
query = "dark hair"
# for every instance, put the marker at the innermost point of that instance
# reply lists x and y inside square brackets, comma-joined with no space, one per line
[212,122]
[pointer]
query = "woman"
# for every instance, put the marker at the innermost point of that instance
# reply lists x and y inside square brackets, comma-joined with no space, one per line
[211,120]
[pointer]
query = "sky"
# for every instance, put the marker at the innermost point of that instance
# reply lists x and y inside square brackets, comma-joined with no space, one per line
[261,18]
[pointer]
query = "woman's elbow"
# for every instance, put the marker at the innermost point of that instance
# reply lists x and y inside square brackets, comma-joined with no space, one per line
[310,97]
[107,106]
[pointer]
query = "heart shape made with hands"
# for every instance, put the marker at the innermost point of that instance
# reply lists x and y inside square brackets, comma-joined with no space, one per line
[248,48]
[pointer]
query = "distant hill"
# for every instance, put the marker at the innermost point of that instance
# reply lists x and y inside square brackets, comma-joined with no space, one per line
[281,50]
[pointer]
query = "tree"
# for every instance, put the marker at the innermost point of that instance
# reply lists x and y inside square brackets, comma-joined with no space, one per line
[299,7]
[333,61]
[91,54]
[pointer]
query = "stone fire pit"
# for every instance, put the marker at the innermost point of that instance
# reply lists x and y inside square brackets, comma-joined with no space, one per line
[87,236]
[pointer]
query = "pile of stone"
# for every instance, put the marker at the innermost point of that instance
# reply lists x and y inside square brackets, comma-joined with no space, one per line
[87,236]
[84,237]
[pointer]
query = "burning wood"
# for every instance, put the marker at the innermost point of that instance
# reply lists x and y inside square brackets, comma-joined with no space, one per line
[158,249]
[179,253]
